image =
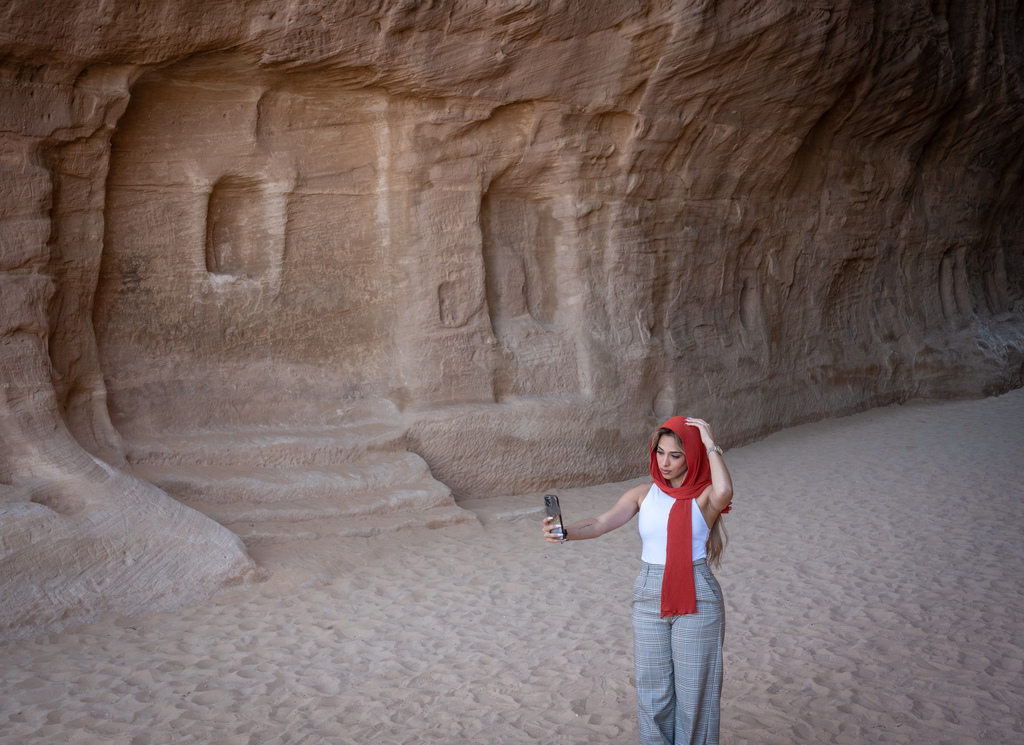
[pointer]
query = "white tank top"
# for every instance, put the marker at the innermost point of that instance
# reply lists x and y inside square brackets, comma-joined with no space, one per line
[653,524]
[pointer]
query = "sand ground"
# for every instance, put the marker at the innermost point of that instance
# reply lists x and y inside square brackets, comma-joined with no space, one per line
[874,587]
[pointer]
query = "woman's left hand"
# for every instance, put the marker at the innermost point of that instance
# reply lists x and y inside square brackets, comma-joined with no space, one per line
[705,431]
[721,481]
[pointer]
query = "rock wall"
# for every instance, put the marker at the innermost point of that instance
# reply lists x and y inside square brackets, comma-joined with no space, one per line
[519,231]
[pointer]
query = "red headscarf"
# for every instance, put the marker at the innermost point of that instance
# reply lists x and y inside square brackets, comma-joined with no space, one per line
[678,595]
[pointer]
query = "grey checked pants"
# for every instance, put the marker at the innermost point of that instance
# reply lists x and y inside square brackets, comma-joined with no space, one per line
[678,661]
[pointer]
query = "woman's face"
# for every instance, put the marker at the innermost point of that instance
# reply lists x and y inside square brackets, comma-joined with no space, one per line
[671,460]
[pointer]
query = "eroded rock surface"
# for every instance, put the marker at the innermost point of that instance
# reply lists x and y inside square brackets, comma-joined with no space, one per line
[511,234]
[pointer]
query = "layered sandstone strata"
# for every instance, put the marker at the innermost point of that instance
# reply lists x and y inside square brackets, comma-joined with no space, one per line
[501,237]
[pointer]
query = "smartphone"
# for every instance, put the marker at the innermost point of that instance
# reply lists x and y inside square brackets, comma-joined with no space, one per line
[554,510]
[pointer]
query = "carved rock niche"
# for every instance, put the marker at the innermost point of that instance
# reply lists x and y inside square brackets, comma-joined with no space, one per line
[238,243]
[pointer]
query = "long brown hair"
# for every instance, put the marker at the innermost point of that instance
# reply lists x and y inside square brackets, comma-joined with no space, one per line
[718,538]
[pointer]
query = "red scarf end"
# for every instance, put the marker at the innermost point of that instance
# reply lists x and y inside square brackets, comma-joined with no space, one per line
[666,612]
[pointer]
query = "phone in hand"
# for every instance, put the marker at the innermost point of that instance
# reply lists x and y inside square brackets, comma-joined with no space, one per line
[554,510]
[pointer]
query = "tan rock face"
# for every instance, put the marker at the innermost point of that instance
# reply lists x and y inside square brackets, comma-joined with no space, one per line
[269,257]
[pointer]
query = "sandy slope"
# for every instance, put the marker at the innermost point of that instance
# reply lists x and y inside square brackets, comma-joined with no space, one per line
[873,585]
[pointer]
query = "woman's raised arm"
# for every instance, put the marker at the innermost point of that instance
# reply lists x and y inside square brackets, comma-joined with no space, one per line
[721,481]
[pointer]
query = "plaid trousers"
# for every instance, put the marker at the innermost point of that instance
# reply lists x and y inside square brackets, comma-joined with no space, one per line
[678,661]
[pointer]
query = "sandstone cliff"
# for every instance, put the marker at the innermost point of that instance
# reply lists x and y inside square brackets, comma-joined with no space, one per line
[259,253]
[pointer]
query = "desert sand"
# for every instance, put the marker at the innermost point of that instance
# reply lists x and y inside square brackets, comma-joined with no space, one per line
[872,582]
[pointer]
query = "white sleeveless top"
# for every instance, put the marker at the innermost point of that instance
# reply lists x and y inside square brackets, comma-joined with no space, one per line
[653,524]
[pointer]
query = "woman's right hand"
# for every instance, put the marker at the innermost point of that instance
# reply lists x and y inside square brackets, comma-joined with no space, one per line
[552,530]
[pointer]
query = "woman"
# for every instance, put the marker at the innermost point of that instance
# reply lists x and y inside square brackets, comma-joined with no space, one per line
[678,612]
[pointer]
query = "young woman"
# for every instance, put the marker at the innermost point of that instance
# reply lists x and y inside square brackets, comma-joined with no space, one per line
[678,612]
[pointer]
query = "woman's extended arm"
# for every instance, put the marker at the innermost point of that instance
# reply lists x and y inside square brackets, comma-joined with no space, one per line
[592,527]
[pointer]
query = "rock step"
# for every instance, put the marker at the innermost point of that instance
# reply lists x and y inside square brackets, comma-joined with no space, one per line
[266,447]
[372,502]
[359,526]
[222,484]
[274,485]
